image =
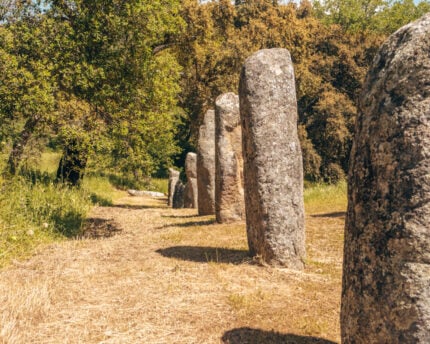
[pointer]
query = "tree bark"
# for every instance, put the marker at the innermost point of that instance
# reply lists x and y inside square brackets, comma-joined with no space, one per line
[72,164]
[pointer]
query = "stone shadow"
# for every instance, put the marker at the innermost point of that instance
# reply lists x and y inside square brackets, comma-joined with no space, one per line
[97,228]
[191,224]
[331,215]
[136,206]
[246,335]
[206,254]
[179,216]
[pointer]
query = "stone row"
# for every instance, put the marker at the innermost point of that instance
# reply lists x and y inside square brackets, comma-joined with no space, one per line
[252,152]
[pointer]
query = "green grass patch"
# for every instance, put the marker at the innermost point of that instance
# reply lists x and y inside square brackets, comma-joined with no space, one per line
[32,214]
[128,182]
[159,185]
[321,198]
[34,210]
[100,190]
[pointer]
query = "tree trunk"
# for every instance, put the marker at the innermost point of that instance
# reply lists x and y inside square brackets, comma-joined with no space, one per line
[19,144]
[72,164]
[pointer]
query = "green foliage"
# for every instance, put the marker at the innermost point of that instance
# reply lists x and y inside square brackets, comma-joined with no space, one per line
[352,15]
[121,85]
[332,44]
[130,92]
[400,13]
[384,16]
[329,65]
[27,89]
[144,133]
[90,68]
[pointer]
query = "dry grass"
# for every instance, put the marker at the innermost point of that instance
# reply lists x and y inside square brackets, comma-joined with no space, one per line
[159,275]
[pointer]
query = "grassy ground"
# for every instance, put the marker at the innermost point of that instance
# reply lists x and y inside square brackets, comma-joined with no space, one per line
[35,211]
[144,273]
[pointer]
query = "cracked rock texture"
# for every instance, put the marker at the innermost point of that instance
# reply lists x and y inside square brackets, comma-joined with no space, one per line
[206,165]
[190,193]
[173,179]
[273,171]
[229,193]
[386,272]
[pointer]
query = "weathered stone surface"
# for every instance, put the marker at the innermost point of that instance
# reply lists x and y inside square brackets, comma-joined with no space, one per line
[173,179]
[178,195]
[190,197]
[206,165]
[386,272]
[273,171]
[229,193]
[191,165]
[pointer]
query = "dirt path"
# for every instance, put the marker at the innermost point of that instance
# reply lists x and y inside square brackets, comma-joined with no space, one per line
[149,274]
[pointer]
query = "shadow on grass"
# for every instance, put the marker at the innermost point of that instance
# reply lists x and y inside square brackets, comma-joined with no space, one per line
[179,216]
[206,254]
[331,215]
[246,335]
[97,228]
[35,176]
[69,223]
[190,224]
[101,201]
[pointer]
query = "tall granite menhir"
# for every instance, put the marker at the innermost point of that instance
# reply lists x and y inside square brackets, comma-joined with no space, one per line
[386,272]
[206,165]
[190,196]
[273,171]
[229,194]
[173,179]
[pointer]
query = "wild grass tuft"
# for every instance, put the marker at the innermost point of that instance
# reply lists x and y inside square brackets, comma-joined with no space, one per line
[32,214]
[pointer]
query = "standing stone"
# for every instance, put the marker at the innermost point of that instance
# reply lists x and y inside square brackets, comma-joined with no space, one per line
[273,171]
[190,196]
[206,165]
[229,194]
[386,271]
[173,179]
[178,195]
[188,200]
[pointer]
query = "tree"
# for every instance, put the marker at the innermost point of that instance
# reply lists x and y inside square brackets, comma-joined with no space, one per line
[351,15]
[399,14]
[27,90]
[382,16]
[329,64]
[106,62]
